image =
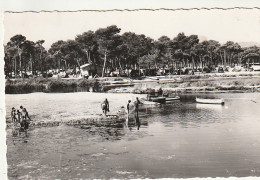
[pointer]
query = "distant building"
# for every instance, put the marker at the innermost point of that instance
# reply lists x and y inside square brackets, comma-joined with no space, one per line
[89,70]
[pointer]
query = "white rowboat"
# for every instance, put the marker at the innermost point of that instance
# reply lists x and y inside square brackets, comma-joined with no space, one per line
[150,103]
[172,98]
[210,101]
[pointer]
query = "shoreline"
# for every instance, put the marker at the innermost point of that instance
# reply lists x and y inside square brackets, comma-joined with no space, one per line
[212,82]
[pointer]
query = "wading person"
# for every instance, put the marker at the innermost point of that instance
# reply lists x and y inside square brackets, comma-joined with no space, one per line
[13,115]
[138,124]
[105,106]
[128,106]
[19,116]
[25,113]
[137,102]
[24,126]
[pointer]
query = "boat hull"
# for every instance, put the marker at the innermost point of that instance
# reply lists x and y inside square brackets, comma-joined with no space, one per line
[172,98]
[150,103]
[161,100]
[209,101]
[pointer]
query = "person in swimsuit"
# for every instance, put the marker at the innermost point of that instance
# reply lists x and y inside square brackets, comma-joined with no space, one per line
[24,126]
[128,106]
[25,113]
[13,115]
[137,102]
[19,116]
[105,106]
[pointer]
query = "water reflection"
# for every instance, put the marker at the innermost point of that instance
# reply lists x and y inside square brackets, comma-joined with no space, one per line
[180,140]
[187,114]
[210,107]
[114,133]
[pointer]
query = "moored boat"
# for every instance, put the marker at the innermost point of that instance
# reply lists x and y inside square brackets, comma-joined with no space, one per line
[172,98]
[149,103]
[209,101]
[158,99]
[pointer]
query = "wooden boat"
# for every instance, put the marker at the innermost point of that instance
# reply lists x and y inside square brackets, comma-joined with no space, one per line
[161,100]
[179,80]
[209,101]
[150,103]
[172,98]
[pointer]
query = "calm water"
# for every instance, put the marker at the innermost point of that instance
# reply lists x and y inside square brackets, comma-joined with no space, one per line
[181,140]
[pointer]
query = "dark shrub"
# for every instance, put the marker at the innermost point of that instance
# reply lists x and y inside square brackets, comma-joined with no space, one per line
[57,85]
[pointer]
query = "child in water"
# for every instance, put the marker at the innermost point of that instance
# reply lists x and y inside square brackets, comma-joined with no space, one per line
[19,116]
[13,115]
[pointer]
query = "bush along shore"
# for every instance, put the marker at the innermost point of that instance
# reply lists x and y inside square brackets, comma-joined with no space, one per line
[21,86]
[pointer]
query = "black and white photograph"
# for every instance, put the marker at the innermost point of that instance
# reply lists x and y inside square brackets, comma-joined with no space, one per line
[160,91]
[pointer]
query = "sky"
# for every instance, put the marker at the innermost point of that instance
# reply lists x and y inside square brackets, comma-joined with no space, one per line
[235,25]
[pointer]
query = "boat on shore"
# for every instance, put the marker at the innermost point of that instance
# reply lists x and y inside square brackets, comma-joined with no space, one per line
[209,101]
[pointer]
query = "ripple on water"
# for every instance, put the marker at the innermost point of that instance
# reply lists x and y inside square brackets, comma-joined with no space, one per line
[182,139]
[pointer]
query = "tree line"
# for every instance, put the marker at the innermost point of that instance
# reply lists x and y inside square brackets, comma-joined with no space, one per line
[109,49]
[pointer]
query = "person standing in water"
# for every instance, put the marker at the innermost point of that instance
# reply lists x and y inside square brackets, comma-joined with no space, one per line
[25,113]
[13,115]
[24,126]
[19,116]
[128,106]
[105,106]
[137,102]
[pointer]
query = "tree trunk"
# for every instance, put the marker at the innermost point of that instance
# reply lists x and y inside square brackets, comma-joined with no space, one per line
[15,71]
[104,66]
[31,64]
[193,63]
[20,58]
[225,58]
[222,59]
[41,61]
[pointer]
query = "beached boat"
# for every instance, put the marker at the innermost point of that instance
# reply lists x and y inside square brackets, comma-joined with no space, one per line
[172,98]
[209,101]
[117,85]
[152,78]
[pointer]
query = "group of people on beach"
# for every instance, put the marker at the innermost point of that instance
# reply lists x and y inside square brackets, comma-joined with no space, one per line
[105,109]
[20,117]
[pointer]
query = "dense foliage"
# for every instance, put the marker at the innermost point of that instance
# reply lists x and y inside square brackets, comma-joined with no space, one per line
[113,51]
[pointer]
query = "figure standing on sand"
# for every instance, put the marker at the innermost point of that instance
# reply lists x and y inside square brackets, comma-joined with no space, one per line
[105,106]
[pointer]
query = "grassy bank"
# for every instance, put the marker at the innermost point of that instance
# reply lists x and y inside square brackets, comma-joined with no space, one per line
[242,82]
[197,84]
[19,86]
